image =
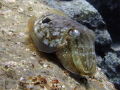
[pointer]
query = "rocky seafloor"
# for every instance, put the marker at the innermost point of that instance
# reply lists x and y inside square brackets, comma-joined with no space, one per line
[23,67]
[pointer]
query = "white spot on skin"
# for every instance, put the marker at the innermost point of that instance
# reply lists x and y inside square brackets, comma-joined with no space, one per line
[84,29]
[36,29]
[45,41]
[56,33]
[57,40]
[40,35]
[48,34]
[43,26]
[57,29]
[85,62]
[52,43]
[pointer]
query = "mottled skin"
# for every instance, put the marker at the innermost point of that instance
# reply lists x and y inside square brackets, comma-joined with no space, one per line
[72,42]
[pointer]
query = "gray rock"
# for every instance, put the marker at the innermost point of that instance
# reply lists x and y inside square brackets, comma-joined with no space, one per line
[111,67]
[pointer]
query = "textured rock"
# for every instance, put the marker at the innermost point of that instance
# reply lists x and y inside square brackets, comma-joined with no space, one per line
[111,66]
[109,9]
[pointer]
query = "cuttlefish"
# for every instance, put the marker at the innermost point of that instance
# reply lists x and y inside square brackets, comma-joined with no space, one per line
[72,42]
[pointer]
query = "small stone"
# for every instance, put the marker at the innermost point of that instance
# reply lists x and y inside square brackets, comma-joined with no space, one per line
[30,9]
[34,53]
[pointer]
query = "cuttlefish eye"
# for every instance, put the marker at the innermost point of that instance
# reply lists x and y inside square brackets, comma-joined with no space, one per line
[73,32]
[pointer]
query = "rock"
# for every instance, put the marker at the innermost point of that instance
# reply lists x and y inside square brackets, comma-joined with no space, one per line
[109,10]
[111,66]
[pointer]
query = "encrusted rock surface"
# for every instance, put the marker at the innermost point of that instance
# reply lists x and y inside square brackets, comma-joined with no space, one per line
[22,67]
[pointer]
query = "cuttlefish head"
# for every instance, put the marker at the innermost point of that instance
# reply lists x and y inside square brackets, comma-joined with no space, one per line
[76,52]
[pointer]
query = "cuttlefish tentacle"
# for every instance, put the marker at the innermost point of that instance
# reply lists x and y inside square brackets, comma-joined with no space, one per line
[64,54]
[83,54]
